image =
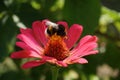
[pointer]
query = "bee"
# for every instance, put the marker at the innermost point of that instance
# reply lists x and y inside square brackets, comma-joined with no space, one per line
[55,29]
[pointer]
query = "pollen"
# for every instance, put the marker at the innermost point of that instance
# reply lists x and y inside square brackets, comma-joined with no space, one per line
[56,48]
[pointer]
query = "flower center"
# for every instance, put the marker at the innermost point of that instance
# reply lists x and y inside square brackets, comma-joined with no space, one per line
[56,48]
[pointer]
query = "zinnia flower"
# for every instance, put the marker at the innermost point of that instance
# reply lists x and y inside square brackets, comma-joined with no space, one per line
[54,43]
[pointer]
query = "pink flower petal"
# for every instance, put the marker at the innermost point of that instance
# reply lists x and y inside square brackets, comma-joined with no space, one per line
[75,60]
[26,47]
[54,61]
[39,31]
[35,63]
[80,61]
[73,35]
[64,24]
[72,57]
[22,45]
[85,47]
[25,54]
[29,39]
[85,50]
[89,47]
[85,41]
[61,63]
[89,53]
[49,59]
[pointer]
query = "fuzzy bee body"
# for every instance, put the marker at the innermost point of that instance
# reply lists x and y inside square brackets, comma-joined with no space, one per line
[55,29]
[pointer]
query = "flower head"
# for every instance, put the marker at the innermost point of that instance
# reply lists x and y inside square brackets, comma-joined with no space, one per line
[54,43]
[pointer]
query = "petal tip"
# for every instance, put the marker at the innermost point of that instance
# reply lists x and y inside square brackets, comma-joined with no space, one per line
[36,23]
[12,56]
[79,27]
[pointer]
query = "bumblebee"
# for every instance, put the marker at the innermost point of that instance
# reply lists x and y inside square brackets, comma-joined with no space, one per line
[55,29]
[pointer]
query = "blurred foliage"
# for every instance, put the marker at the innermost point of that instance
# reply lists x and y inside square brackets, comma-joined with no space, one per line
[95,18]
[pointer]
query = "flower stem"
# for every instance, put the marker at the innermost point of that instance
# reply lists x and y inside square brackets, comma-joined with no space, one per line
[55,71]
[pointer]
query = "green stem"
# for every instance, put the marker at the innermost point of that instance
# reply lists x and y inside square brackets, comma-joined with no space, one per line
[55,71]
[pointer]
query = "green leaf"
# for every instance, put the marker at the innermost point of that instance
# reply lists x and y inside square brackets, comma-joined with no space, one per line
[85,12]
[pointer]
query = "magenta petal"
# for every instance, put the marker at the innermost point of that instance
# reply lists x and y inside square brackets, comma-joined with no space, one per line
[25,54]
[89,53]
[87,39]
[86,42]
[49,59]
[75,59]
[80,60]
[28,38]
[84,50]
[39,31]
[35,63]
[22,45]
[61,63]
[72,57]
[26,47]
[73,35]
[54,61]
[87,47]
